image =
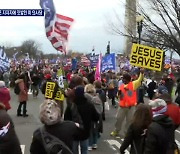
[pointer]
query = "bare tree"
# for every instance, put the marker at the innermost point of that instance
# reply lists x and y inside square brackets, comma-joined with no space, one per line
[31,47]
[161,25]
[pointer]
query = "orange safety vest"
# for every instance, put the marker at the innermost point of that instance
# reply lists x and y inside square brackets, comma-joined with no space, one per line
[128,96]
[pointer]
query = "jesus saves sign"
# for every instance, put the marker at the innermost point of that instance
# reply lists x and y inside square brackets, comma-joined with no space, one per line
[146,57]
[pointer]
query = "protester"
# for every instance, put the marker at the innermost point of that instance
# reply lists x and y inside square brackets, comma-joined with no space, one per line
[35,84]
[9,142]
[69,93]
[23,95]
[96,127]
[128,101]
[160,133]
[102,95]
[5,95]
[52,89]
[173,110]
[88,114]
[136,133]
[150,90]
[6,77]
[50,116]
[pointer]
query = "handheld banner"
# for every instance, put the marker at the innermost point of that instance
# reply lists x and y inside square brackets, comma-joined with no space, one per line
[49,90]
[146,57]
[59,96]
[108,62]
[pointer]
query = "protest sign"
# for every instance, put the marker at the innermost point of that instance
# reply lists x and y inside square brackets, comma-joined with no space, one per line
[49,90]
[146,57]
[108,62]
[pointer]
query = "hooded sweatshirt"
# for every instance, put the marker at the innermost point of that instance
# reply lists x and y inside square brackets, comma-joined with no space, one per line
[160,135]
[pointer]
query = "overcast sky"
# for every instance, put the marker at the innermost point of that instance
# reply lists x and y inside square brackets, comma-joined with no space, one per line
[88,30]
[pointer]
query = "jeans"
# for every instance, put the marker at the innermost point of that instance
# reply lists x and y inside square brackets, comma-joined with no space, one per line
[93,137]
[83,147]
[35,90]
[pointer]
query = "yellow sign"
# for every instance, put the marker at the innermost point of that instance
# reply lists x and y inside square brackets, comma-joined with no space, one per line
[146,57]
[49,90]
[59,96]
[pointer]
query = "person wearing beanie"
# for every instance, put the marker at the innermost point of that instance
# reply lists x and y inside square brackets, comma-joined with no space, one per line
[50,116]
[160,134]
[5,95]
[9,142]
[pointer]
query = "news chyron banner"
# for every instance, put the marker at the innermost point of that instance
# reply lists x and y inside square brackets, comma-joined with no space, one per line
[146,57]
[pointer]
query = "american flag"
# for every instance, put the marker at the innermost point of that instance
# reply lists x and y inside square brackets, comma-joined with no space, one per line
[57,26]
[85,61]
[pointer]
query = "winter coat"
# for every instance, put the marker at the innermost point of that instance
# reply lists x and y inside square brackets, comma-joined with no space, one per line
[9,143]
[23,95]
[173,111]
[88,114]
[5,97]
[65,131]
[134,137]
[160,135]
[96,101]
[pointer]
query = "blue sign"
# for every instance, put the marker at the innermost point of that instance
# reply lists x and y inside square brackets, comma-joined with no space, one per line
[108,62]
[93,59]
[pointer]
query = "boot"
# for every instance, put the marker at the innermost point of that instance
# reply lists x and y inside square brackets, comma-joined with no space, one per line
[25,115]
[19,114]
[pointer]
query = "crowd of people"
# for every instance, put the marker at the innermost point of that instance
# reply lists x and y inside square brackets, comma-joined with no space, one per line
[78,119]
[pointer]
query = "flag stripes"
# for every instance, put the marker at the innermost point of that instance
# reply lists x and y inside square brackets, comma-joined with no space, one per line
[57,26]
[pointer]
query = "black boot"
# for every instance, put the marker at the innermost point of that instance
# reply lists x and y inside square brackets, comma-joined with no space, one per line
[24,110]
[19,110]
[19,114]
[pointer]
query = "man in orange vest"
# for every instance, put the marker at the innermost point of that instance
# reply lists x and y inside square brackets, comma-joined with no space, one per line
[128,101]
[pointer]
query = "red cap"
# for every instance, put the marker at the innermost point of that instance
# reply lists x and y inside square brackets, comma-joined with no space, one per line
[47,76]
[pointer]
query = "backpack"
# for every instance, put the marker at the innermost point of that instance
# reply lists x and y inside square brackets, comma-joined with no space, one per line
[52,144]
[96,100]
[16,89]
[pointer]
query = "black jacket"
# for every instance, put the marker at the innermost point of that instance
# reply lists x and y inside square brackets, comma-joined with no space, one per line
[88,114]
[160,135]
[134,137]
[65,131]
[9,143]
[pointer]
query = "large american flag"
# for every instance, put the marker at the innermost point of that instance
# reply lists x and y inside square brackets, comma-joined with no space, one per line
[57,26]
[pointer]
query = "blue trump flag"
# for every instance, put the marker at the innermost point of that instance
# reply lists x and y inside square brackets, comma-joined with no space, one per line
[108,62]
[74,64]
[4,60]
[50,12]
[93,59]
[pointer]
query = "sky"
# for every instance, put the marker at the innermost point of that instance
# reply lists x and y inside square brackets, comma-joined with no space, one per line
[88,30]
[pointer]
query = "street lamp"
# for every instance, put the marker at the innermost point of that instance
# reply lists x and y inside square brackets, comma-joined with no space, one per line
[139,20]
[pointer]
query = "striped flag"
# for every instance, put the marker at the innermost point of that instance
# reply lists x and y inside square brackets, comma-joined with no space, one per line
[57,26]
[98,68]
[4,60]
[85,61]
